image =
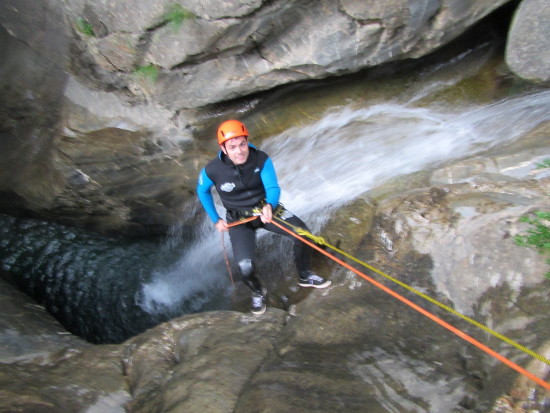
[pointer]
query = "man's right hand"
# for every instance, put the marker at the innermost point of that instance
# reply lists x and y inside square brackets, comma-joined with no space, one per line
[221,225]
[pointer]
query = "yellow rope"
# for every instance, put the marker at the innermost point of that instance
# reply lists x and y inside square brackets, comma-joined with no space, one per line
[321,241]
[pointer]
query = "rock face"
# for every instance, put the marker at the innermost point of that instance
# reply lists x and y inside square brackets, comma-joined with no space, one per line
[351,347]
[527,41]
[157,72]
[26,328]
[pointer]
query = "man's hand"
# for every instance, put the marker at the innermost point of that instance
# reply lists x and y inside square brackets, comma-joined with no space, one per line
[267,214]
[221,225]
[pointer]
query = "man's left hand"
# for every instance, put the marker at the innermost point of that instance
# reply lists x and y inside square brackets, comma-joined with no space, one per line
[267,214]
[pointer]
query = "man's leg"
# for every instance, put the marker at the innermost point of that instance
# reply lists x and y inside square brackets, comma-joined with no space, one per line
[302,252]
[243,242]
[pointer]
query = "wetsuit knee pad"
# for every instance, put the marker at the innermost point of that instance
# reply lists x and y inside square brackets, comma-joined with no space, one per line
[247,267]
[249,278]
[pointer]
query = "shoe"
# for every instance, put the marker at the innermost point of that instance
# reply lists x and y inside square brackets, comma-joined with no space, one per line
[258,304]
[313,280]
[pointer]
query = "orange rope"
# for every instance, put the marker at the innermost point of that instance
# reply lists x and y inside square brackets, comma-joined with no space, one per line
[227,260]
[431,316]
[242,221]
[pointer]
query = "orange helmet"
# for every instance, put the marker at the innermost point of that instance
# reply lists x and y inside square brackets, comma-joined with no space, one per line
[231,129]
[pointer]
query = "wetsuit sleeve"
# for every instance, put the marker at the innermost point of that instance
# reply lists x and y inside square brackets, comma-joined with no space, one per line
[269,179]
[204,193]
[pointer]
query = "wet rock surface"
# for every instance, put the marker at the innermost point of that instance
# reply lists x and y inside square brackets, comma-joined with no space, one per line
[528,34]
[28,331]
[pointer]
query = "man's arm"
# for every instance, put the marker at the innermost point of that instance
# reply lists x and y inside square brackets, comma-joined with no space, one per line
[204,193]
[271,185]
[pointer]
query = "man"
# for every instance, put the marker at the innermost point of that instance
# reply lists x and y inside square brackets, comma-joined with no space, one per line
[246,182]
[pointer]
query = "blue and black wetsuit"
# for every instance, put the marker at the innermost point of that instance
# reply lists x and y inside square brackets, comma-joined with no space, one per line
[243,188]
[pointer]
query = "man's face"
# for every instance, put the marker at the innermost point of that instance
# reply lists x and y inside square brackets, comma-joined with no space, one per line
[236,149]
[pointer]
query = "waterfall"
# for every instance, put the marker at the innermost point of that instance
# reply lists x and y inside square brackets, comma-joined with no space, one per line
[350,151]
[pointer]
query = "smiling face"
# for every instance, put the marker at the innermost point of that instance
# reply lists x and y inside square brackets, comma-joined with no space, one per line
[236,149]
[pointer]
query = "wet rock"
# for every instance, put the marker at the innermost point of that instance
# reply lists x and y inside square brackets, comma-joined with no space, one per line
[198,362]
[528,44]
[69,380]
[278,46]
[120,183]
[120,51]
[28,331]
[44,368]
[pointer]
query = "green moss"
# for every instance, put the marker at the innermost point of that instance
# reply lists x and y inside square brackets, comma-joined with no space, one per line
[538,235]
[84,27]
[149,72]
[176,14]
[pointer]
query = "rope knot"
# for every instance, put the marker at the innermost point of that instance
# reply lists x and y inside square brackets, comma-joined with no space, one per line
[317,239]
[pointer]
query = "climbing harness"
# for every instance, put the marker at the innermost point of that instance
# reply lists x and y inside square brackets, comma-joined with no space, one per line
[318,242]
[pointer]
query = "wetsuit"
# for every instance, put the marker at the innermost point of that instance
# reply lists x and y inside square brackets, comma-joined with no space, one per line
[243,188]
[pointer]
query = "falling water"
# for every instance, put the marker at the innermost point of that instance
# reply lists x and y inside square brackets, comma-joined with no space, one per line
[351,151]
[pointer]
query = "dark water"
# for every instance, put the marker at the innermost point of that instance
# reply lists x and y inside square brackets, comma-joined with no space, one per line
[93,284]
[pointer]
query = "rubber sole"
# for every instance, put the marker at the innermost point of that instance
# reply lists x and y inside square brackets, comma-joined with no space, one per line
[259,312]
[326,284]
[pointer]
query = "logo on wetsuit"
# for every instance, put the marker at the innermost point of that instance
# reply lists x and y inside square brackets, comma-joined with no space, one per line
[227,187]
